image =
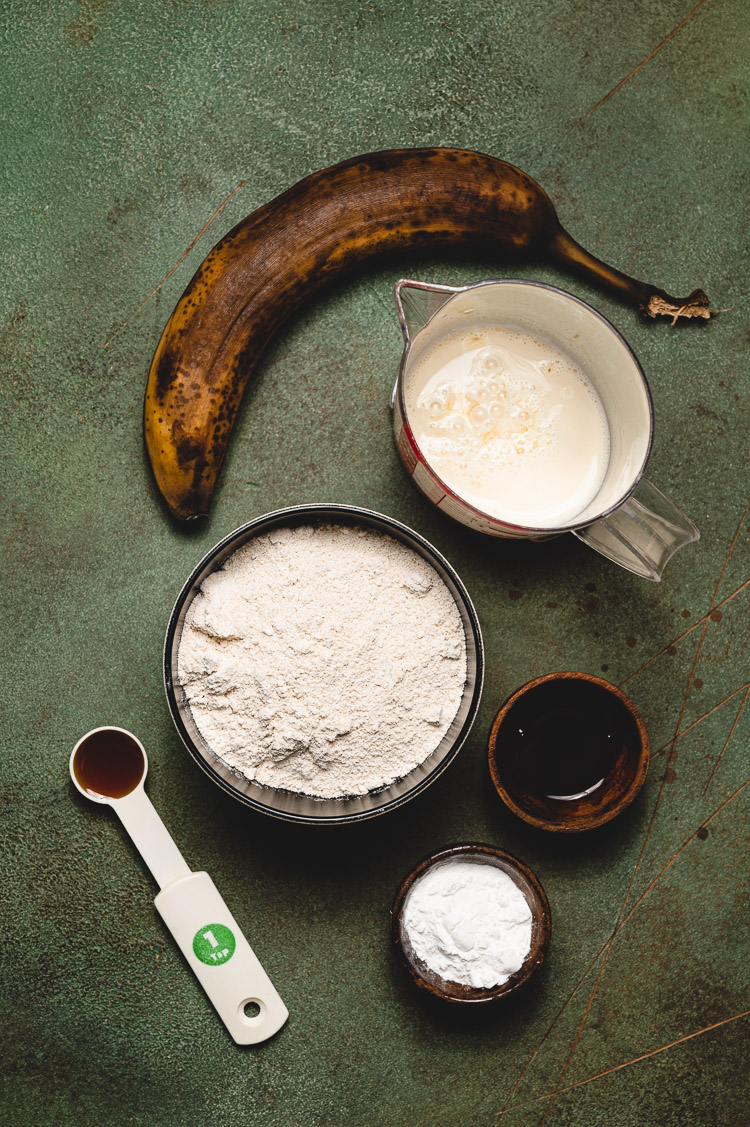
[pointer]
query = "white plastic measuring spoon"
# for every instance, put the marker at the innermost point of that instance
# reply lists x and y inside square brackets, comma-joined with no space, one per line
[109,765]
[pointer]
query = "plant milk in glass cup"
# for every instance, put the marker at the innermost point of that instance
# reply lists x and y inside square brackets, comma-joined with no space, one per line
[522,413]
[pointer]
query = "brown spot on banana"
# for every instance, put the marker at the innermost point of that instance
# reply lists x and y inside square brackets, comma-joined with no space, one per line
[329,223]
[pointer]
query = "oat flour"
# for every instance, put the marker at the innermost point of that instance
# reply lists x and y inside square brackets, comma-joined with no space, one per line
[327,660]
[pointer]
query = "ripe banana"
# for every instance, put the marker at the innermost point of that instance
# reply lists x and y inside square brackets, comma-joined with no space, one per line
[330,222]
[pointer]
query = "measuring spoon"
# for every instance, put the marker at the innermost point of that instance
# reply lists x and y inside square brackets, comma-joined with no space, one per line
[109,765]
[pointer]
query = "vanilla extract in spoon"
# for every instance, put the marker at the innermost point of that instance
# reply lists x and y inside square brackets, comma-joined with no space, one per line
[563,740]
[109,764]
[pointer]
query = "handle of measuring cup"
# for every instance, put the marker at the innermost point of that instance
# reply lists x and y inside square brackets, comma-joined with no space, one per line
[642,534]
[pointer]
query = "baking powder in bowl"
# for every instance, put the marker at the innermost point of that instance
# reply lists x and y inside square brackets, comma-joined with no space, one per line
[327,660]
[468,922]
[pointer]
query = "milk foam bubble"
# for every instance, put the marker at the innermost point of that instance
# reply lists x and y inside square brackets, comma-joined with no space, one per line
[510,424]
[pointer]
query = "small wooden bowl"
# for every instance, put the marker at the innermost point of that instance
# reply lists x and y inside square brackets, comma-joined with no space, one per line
[622,780]
[541,926]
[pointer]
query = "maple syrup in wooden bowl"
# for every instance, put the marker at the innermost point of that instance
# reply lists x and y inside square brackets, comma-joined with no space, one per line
[568,752]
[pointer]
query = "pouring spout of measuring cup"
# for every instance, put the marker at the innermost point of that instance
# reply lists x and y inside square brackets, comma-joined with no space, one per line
[643,533]
[109,766]
[417,302]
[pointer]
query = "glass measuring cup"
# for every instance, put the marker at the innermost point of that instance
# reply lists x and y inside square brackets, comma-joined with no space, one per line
[629,520]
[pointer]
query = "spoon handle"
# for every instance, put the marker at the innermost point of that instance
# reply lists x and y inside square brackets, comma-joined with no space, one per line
[205,930]
[150,836]
[221,958]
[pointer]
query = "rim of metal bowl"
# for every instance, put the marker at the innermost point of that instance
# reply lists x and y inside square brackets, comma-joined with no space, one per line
[288,805]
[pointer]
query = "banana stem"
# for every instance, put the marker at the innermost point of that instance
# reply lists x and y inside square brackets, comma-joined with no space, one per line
[650,300]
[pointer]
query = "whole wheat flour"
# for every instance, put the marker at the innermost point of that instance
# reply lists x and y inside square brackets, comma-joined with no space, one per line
[328,660]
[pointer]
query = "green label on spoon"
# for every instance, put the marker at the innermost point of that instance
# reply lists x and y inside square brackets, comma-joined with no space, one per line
[214,944]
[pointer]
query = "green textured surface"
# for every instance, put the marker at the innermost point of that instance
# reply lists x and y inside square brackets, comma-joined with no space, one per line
[124,126]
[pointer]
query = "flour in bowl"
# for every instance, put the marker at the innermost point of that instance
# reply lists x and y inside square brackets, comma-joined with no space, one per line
[468,922]
[328,660]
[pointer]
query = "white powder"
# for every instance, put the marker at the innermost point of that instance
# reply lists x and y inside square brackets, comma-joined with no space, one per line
[327,660]
[469,922]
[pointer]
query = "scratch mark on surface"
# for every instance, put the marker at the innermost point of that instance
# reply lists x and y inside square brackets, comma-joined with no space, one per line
[700,719]
[677,853]
[642,63]
[726,742]
[169,273]
[686,697]
[689,630]
[507,1105]
[660,792]
[385,304]
[654,812]
[634,1060]
[579,1031]
[618,928]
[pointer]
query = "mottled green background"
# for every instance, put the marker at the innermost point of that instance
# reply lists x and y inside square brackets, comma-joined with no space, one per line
[124,126]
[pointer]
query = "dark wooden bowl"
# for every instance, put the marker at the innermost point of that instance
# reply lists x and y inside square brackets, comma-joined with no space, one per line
[541,926]
[622,780]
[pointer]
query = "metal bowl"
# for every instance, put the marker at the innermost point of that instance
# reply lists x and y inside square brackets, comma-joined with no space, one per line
[290,805]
